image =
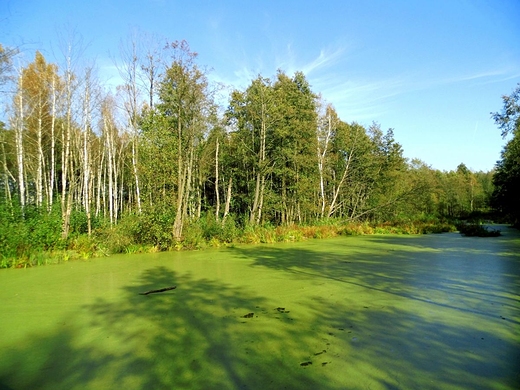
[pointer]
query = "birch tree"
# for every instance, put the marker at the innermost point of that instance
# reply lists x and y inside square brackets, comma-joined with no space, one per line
[185,102]
[18,123]
[7,177]
[327,123]
[56,88]
[66,160]
[253,113]
[40,99]
[292,148]
[89,102]
[129,71]
[6,64]
[109,130]
[350,144]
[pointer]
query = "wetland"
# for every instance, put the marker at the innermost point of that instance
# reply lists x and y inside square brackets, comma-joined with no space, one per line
[363,312]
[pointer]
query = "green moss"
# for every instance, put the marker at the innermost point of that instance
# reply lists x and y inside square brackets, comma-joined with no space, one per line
[375,311]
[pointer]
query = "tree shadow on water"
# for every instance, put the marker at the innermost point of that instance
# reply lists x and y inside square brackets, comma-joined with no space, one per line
[393,348]
[404,319]
[408,268]
[198,336]
[383,325]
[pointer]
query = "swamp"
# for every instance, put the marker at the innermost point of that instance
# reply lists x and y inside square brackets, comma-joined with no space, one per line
[362,312]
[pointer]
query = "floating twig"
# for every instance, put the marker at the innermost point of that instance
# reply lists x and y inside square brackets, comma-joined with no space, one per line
[158,290]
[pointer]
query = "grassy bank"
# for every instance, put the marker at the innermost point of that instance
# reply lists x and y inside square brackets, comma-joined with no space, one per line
[35,238]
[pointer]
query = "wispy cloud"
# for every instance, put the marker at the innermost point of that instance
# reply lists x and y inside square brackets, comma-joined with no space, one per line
[424,79]
[358,99]
[357,94]
[485,77]
[246,68]
[326,58]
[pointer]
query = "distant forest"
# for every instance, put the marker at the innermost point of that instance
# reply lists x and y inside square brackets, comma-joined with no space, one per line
[159,164]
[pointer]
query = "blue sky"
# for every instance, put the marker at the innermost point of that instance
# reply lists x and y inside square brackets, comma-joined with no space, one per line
[432,70]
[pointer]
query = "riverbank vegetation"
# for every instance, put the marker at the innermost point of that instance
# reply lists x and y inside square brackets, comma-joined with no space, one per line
[160,164]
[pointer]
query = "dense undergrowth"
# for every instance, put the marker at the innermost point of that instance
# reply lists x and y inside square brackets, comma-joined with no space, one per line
[35,238]
[476,229]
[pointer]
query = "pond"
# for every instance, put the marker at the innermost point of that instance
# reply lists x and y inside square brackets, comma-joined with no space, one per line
[367,312]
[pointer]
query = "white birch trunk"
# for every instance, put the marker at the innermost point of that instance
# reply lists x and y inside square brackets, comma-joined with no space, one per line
[19,145]
[228,200]
[52,167]
[39,171]
[322,151]
[332,207]
[217,192]
[86,152]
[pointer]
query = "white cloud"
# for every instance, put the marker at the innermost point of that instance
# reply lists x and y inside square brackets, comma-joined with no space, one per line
[326,58]
[356,98]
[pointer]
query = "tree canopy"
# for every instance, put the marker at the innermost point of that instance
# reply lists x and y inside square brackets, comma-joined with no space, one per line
[159,154]
[507,175]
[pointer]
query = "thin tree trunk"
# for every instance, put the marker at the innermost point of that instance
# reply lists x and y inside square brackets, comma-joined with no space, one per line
[252,217]
[136,175]
[128,71]
[110,166]
[99,183]
[228,200]
[66,192]
[7,174]
[263,136]
[19,146]
[53,146]
[321,162]
[260,177]
[86,155]
[217,192]
[39,171]
[332,207]
[181,177]
[188,185]
[261,202]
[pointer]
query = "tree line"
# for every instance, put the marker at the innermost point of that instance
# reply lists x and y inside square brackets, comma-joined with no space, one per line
[161,151]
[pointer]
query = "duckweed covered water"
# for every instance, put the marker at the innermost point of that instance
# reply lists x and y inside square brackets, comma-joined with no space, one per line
[372,312]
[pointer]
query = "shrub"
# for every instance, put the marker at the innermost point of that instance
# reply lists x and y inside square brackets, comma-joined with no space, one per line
[192,236]
[216,230]
[113,239]
[476,230]
[353,229]
[151,227]
[44,229]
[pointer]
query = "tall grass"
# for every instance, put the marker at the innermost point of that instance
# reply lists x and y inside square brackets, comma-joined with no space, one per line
[35,239]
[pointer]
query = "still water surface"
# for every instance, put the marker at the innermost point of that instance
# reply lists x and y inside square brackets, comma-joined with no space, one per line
[371,312]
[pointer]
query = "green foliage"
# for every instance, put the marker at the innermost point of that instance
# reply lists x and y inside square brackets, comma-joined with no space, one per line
[424,226]
[282,165]
[153,226]
[22,234]
[34,237]
[455,194]
[507,181]
[508,120]
[212,229]
[507,175]
[476,230]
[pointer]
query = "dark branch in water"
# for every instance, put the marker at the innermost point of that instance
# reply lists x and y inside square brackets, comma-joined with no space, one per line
[158,291]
